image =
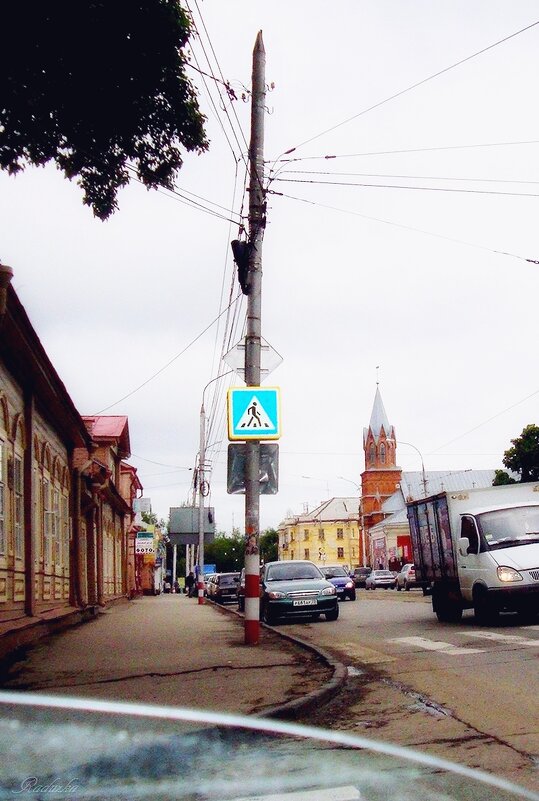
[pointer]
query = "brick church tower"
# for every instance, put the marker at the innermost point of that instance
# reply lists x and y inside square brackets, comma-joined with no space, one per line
[381,475]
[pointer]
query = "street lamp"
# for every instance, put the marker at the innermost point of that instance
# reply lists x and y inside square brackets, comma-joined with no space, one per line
[202,491]
[409,444]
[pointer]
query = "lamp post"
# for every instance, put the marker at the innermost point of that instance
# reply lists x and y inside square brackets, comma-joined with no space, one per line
[202,491]
[424,476]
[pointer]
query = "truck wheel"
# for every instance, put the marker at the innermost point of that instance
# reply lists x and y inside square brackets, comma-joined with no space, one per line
[447,608]
[483,612]
[406,586]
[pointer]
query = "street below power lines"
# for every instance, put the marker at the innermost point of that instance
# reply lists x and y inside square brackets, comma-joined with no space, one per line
[464,692]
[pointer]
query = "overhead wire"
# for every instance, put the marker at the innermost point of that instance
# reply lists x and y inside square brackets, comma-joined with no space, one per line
[162,369]
[413,86]
[488,420]
[406,227]
[401,151]
[405,187]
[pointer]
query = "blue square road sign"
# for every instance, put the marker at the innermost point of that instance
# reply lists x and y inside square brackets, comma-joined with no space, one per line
[254,413]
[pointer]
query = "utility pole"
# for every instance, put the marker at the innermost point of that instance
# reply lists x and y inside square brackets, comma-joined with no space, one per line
[201,462]
[257,222]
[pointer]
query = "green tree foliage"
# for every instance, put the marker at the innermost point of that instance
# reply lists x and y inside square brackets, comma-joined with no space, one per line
[226,553]
[95,86]
[523,456]
[501,478]
[268,543]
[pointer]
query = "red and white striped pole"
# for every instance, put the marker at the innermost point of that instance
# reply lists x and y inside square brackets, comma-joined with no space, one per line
[257,221]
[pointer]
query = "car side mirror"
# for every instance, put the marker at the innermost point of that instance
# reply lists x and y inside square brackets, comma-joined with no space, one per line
[464,544]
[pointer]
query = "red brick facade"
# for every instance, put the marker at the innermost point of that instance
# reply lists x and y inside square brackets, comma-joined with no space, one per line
[381,476]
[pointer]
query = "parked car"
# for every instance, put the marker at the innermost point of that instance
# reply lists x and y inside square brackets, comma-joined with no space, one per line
[341,580]
[384,579]
[296,588]
[406,578]
[223,588]
[359,575]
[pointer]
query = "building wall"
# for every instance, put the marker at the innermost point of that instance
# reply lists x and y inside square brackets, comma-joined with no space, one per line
[333,542]
[51,524]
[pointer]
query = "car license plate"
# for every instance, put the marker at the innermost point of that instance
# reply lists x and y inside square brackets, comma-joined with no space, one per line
[305,602]
[340,589]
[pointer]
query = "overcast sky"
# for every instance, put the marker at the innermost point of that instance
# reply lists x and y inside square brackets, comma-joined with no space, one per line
[429,283]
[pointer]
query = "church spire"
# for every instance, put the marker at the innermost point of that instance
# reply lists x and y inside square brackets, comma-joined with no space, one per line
[379,441]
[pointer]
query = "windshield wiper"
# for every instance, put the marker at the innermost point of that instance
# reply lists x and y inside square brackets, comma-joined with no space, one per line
[533,537]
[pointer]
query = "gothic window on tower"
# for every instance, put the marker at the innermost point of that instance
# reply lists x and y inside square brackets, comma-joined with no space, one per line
[371,454]
[382,453]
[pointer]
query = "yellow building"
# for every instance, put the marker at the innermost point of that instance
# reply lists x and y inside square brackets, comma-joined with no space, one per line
[330,534]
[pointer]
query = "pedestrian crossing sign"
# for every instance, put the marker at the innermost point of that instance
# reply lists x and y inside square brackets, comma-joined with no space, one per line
[254,413]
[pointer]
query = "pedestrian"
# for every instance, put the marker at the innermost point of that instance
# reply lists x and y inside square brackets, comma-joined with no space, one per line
[190,583]
[176,586]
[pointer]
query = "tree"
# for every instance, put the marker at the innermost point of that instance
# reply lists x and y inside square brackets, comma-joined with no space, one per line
[226,553]
[523,456]
[269,545]
[96,86]
[501,478]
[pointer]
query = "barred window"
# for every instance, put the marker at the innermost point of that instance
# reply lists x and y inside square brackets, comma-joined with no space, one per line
[340,553]
[321,534]
[306,553]
[65,530]
[47,523]
[56,528]
[18,507]
[306,534]
[340,534]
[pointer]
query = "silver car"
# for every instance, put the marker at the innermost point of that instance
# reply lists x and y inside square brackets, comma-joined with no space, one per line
[380,579]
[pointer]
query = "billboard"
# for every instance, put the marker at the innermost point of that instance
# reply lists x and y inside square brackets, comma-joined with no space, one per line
[183,526]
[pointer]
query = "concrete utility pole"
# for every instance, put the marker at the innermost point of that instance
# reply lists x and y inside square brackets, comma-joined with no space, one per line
[257,222]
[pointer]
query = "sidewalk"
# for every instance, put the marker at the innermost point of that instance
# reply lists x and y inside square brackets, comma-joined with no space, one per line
[169,650]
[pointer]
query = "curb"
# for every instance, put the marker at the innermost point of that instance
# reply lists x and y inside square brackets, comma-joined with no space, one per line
[291,710]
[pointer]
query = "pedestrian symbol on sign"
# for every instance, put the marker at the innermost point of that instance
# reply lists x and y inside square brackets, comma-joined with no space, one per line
[255,416]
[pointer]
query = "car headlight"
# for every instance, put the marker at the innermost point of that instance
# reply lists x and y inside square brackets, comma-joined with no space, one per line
[508,574]
[329,591]
[349,585]
[274,594]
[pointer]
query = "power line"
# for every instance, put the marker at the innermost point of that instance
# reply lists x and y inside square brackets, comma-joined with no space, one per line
[413,86]
[403,151]
[406,187]
[162,369]
[494,416]
[406,227]
[408,177]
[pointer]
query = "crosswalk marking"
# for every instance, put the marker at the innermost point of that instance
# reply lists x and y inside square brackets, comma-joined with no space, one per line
[510,639]
[437,645]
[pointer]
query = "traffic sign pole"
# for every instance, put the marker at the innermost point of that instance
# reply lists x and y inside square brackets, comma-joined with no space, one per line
[257,221]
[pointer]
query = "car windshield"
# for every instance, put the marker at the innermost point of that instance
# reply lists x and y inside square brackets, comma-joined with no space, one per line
[96,750]
[228,578]
[503,527]
[332,572]
[292,572]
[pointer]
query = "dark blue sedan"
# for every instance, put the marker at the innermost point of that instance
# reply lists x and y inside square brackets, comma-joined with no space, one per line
[341,580]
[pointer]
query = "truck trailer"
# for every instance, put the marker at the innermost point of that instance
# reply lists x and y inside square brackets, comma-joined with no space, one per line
[478,549]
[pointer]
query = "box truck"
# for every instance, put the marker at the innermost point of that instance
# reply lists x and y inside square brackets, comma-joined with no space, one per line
[478,549]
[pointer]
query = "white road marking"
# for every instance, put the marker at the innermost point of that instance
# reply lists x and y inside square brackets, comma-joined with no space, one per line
[437,645]
[510,639]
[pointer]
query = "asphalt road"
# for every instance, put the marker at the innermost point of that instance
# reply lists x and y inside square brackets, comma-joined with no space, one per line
[466,692]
